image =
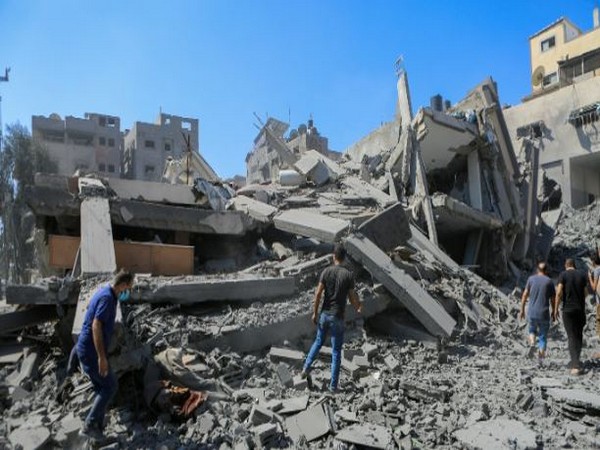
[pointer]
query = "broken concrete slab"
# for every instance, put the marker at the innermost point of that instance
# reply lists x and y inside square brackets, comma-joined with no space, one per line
[365,190]
[18,320]
[11,354]
[278,354]
[498,433]
[388,229]
[577,397]
[201,290]
[311,224]
[284,375]
[26,371]
[259,211]
[313,168]
[367,435]
[265,435]
[28,438]
[97,248]
[259,337]
[310,424]
[135,213]
[425,308]
[310,266]
[453,216]
[293,405]
[151,191]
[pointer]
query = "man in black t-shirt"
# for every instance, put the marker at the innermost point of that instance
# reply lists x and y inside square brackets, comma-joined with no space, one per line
[572,289]
[335,285]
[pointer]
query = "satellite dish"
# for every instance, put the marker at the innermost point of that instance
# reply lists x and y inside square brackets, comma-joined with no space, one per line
[538,76]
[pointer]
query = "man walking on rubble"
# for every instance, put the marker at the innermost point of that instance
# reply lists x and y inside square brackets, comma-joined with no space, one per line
[335,285]
[540,290]
[92,348]
[594,277]
[573,287]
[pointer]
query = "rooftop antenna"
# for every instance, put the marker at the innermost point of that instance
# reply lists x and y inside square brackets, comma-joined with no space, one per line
[399,66]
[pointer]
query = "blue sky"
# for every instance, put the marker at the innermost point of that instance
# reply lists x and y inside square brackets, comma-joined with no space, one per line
[222,60]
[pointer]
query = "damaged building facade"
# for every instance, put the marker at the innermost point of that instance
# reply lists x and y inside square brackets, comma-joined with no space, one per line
[557,125]
[93,143]
[96,144]
[457,173]
[273,151]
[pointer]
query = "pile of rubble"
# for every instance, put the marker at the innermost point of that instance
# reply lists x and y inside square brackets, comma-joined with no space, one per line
[209,349]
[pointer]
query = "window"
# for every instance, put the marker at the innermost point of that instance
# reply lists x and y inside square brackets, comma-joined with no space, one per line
[149,170]
[111,142]
[111,122]
[102,167]
[186,125]
[102,121]
[167,147]
[547,44]
[550,79]
[111,168]
[102,141]
[149,144]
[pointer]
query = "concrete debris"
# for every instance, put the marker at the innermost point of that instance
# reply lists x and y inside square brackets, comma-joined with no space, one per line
[367,435]
[309,425]
[29,438]
[440,220]
[498,433]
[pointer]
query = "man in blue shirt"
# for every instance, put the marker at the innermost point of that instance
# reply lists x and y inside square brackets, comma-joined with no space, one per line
[540,291]
[92,347]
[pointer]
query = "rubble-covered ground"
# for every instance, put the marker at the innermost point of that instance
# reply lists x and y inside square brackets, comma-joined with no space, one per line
[479,389]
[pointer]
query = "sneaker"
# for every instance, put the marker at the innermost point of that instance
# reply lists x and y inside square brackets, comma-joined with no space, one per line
[91,432]
[575,372]
[304,374]
[531,351]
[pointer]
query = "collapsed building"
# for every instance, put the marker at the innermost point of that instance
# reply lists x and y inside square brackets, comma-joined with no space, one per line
[219,320]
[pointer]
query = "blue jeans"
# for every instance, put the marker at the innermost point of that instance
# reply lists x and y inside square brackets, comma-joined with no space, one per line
[328,323]
[539,328]
[104,387]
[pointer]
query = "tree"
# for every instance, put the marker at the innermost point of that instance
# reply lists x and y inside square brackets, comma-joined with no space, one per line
[20,159]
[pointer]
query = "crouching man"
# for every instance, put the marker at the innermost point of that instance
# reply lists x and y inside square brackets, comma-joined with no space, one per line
[92,347]
[336,285]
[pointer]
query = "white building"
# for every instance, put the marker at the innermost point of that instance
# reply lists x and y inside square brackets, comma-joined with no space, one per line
[147,146]
[93,143]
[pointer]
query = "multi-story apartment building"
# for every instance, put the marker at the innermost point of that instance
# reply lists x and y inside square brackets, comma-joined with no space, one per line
[561,53]
[558,124]
[93,143]
[148,145]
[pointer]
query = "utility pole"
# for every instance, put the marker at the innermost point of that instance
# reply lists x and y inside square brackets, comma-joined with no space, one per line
[4,200]
[2,79]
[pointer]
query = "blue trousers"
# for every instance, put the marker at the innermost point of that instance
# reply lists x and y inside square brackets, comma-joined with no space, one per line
[539,328]
[104,387]
[328,324]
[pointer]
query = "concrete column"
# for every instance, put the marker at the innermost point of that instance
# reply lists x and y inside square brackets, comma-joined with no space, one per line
[474,173]
[567,193]
[404,106]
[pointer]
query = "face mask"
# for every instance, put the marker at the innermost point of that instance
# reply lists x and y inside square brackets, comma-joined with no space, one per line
[124,296]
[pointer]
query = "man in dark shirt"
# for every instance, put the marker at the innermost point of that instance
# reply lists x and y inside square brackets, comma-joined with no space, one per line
[572,287]
[540,291]
[336,285]
[92,348]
